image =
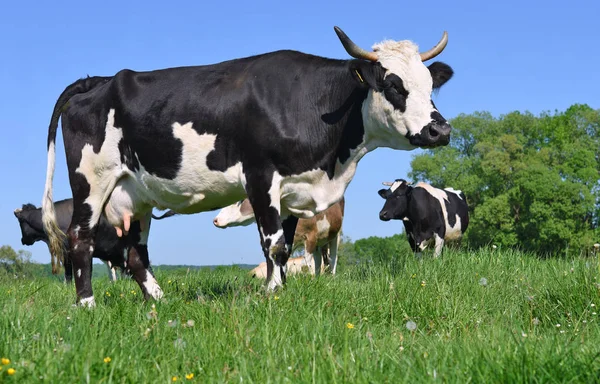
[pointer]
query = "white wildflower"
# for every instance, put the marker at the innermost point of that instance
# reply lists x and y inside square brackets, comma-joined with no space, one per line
[411,325]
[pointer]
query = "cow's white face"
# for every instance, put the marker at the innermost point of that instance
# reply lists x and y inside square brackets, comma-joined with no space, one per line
[234,215]
[398,112]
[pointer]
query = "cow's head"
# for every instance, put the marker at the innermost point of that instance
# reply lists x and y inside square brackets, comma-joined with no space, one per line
[398,112]
[396,200]
[234,215]
[30,221]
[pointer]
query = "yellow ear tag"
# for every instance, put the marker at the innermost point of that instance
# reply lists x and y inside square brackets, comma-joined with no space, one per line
[359,76]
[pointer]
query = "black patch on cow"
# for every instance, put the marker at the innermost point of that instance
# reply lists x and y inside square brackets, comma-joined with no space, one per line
[395,93]
[438,118]
[440,73]
[457,206]
[128,157]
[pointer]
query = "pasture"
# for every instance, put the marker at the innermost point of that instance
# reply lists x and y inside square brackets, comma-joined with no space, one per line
[481,316]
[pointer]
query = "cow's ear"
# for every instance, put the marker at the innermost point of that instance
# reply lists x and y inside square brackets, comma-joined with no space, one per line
[367,74]
[384,193]
[440,73]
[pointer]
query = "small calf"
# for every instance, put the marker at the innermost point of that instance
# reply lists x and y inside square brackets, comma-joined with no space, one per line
[429,214]
[322,231]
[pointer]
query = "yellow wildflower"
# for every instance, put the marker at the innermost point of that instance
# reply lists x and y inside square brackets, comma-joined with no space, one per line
[276,297]
[413,275]
[189,376]
[107,293]
[174,378]
[5,361]
[350,326]
[423,283]
[107,359]
[11,371]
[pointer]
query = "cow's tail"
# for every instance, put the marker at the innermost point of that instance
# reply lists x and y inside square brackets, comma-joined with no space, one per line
[56,238]
[169,213]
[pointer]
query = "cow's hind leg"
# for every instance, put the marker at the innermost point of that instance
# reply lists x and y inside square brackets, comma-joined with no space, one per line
[138,262]
[439,245]
[81,235]
[333,249]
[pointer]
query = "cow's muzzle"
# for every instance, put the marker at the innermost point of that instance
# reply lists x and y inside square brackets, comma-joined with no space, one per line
[432,135]
[383,216]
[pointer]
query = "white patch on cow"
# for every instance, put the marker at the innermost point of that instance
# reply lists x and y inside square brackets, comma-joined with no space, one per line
[274,238]
[311,192]
[76,230]
[91,249]
[455,191]
[439,244]
[452,233]
[112,273]
[275,192]
[78,272]
[323,227]
[395,185]
[276,279]
[102,170]
[88,302]
[76,246]
[152,287]
[385,125]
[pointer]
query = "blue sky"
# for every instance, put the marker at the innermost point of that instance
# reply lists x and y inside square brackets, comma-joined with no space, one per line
[512,55]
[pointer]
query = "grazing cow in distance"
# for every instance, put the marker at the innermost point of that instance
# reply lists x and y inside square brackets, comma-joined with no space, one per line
[285,129]
[318,235]
[429,214]
[109,247]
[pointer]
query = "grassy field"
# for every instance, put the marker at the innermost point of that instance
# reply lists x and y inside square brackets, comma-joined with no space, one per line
[468,317]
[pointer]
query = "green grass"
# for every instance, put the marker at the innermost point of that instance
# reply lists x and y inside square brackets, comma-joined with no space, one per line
[480,317]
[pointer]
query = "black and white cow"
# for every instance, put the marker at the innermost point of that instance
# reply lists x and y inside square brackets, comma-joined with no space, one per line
[109,248]
[285,128]
[429,214]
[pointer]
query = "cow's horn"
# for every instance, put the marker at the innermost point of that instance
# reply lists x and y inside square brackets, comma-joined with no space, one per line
[433,52]
[353,49]
[387,183]
[18,210]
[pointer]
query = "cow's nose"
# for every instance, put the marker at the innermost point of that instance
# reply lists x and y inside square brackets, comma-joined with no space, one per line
[383,215]
[439,133]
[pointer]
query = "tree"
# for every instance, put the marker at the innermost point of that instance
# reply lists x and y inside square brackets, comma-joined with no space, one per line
[14,263]
[531,182]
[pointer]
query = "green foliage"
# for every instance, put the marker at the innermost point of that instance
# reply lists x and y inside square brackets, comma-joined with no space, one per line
[374,250]
[480,317]
[15,264]
[532,182]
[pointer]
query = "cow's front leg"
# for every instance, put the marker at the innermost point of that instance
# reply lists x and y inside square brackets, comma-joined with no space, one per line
[138,262]
[264,196]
